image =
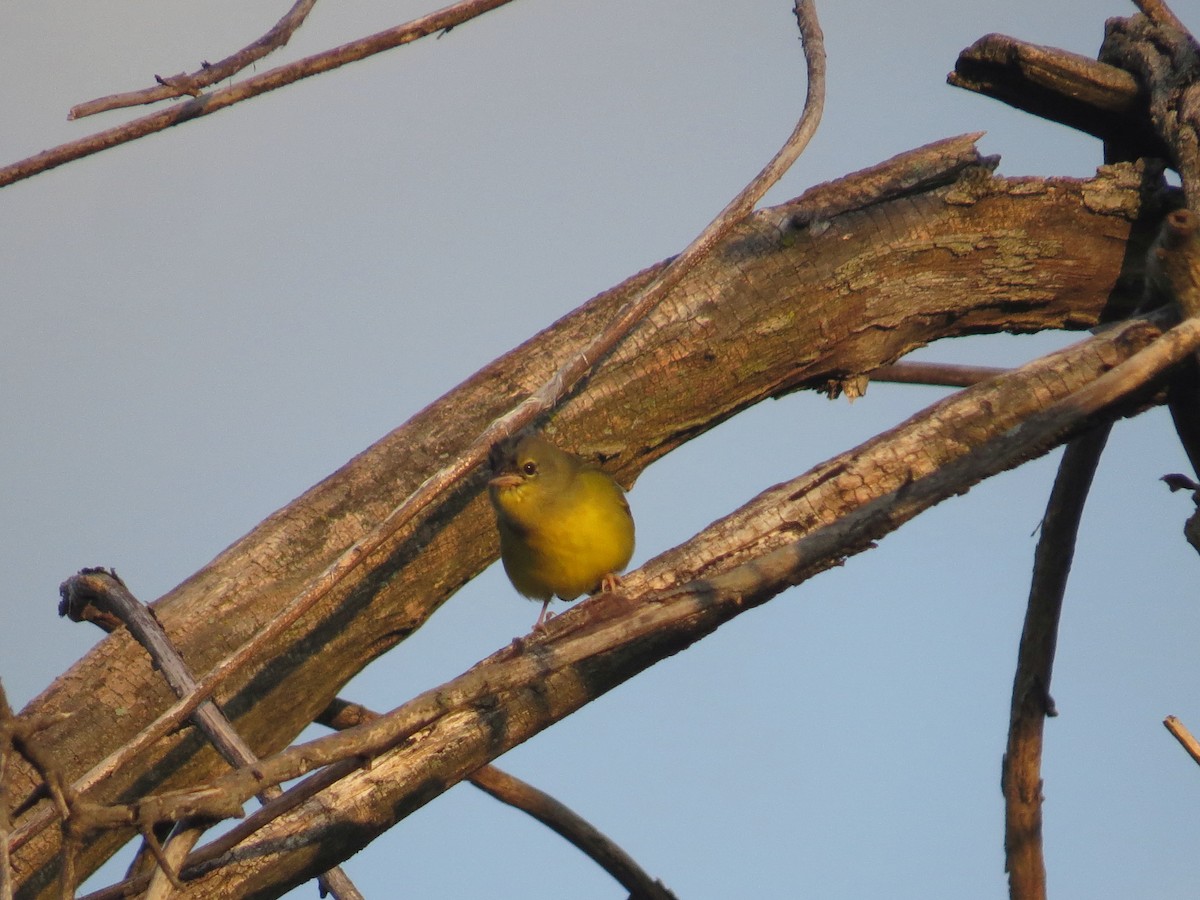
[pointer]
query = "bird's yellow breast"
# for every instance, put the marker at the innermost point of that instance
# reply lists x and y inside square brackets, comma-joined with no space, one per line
[562,542]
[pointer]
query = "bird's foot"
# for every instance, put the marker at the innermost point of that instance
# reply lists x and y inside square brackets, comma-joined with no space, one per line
[610,582]
[543,617]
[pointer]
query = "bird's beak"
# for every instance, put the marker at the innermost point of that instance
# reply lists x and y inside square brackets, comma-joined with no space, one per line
[505,481]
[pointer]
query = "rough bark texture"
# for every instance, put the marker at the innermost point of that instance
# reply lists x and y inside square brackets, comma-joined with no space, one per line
[439,737]
[792,300]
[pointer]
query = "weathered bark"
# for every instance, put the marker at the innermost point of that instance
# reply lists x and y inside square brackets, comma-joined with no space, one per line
[780,538]
[796,298]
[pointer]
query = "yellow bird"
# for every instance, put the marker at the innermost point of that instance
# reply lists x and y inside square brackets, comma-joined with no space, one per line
[565,527]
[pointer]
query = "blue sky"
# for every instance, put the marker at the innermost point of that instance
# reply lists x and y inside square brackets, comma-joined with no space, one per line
[196,327]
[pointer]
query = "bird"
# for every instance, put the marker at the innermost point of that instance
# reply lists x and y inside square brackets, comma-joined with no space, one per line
[565,526]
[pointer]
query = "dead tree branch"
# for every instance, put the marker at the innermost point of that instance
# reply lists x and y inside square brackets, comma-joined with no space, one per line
[1031,701]
[940,374]
[209,74]
[1078,233]
[1164,58]
[1185,737]
[608,639]
[213,101]
[1056,85]
[555,815]
[100,593]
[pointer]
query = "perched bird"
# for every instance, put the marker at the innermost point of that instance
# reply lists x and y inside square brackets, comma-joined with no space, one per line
[565,528]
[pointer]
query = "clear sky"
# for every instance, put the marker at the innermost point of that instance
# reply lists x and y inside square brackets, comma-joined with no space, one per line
[196,327]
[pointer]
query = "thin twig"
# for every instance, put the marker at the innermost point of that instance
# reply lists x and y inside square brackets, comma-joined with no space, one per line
[559,383]
[565,822]
[67,880]
[205,104]
[100,592]
[199,860]
[1185,738]
[1031,701]
[165,864]
[208,74]
[938,374]
[341,714]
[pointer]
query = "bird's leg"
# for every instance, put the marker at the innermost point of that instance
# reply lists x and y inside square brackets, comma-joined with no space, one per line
[610,582]
[540,624]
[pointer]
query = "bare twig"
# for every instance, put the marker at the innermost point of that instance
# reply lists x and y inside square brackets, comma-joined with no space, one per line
[204,105]
[1031,701]
[508,789]
[67,878]
[101,592]
[543,399]
[221,799]
[167,866]
[208,74]
[1185,738]
[939,374]
[565,822]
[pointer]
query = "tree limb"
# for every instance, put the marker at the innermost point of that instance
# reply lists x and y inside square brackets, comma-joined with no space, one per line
[940,374]
[1031,701]
[205,104]
[1081,93]
[208,74]
[442,736]
[1164,59]
[101,592]
[677,375]
[1186,740]
[550,812]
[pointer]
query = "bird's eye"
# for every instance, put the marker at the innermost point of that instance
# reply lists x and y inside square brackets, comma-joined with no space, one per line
[530,468]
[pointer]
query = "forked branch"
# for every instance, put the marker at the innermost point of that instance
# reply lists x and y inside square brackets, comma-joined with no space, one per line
[209,73]
[211,102]
[99,594]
